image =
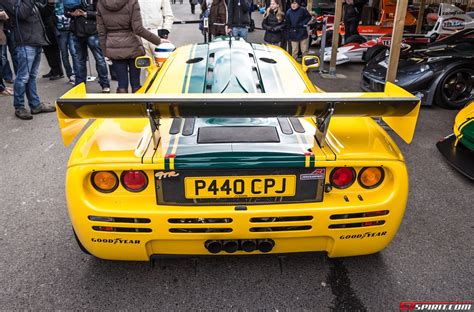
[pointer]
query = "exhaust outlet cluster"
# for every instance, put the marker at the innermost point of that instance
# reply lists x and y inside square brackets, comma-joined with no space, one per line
[232,245]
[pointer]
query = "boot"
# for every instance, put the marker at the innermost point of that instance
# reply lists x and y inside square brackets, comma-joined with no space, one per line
[121,90]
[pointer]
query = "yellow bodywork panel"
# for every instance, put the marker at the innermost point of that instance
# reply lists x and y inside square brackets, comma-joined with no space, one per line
[139,132]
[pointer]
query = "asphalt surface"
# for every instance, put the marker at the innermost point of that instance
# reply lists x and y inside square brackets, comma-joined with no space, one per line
[41,266]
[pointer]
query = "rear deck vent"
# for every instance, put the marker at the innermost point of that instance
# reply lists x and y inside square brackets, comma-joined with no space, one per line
[355,225]
[281,219]
[296,123]
[194,60]
[268,60]
[238,134]
[188,128]
[120,229]
[118,219]
[281,228]
[176,125]
[200,220]
[285,125]
[200,230]
[359,215]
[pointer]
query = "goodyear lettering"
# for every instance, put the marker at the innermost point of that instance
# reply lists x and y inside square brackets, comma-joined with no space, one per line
[361,236]
[115,241]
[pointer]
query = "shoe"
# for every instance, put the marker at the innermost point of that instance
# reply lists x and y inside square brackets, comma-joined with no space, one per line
[72,79]
[23,114]
[106,90]
[56,77]
[7,91]
[48,75]
[43,108]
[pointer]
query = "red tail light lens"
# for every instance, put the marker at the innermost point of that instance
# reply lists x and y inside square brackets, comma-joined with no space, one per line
[342,177]
[134,181]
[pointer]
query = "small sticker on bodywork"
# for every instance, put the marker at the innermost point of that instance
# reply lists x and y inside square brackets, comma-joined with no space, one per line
[317,174]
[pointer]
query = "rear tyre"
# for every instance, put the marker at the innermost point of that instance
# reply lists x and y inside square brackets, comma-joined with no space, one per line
[374,51]
[456,88]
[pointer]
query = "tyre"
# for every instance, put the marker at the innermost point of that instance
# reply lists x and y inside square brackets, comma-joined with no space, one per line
[456,89]
[355,39]
[372,52]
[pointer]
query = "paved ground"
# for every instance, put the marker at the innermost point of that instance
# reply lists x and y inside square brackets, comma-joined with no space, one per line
[42,268]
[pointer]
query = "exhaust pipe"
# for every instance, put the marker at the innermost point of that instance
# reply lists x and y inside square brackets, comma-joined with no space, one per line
[230,246]
[265,245]
[213,246]
[248,245]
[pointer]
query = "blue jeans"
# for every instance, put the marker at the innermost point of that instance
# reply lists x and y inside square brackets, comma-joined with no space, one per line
[7,70]
[66,46]
[241,32]
[124,68]
[80,45]
[28,61]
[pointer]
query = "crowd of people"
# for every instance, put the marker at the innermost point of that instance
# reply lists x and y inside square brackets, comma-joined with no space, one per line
[66,31]
[115,32]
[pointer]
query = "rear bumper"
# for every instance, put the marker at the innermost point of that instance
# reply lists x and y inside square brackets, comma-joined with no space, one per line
[313,231]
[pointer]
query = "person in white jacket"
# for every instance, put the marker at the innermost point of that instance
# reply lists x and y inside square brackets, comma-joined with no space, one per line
[157,17]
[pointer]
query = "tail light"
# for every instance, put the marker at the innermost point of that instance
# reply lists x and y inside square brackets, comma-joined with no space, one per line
[371,177]
[134,181]
[104,181]
[342,177]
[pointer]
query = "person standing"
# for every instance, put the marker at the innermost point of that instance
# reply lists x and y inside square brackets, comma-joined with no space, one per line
[193,6]
[64,37]
[296,19]
[217,16]
[84,35]
[352,15]
[28,44]
[238,21]
[273,23]
[51,51]
[4,90]
[157,17]
[119,24]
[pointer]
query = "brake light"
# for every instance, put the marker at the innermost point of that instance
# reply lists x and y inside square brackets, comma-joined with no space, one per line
[342,177]
[134,181]
[104,181]
[371,177]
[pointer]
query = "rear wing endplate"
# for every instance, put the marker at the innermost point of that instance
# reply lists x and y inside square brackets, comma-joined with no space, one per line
[397,107]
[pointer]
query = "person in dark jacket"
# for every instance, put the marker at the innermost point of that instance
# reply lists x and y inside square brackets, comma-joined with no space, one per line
[65,42]
[30,37]
[352,15]
[273,23]
[84,35]
[120,27]
[297,17]
[238,18]
[217,17]
[51,51]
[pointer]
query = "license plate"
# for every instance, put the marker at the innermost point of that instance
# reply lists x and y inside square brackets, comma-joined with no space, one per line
[240,186]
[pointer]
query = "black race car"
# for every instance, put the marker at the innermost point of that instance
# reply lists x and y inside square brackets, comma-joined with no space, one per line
[440,73]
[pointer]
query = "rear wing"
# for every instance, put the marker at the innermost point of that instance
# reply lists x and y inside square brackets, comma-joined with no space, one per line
[397,107]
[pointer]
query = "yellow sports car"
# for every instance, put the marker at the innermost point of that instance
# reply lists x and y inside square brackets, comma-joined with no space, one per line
[229,149]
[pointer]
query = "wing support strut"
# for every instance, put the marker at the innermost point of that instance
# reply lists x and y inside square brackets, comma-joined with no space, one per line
[154,124]
[322,124]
